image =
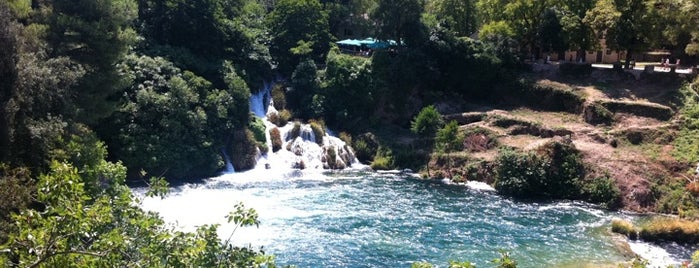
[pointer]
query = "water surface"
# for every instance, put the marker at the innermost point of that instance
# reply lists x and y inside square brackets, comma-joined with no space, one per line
[362,219]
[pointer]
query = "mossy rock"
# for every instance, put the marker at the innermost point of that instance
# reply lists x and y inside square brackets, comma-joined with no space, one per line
[595,114]
[243,150]
[276,138]
[625,228]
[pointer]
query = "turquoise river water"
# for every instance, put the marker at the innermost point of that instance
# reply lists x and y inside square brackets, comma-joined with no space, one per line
[367,219]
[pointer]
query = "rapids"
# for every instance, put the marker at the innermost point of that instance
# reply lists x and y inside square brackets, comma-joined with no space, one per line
[365,219]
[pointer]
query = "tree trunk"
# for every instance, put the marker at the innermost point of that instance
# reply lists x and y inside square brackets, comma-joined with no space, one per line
[628,59]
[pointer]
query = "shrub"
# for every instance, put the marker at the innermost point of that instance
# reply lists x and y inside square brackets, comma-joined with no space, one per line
[625,228]
[383,159]
[280,118]
[276,138]
[479,139]
[279,97]
[295,131]
[448,138]
[553,171]
[381,163]
[602,190]
[318,130]
[426,122]
[365,147]
[346,137]
[258,128]
[520,174]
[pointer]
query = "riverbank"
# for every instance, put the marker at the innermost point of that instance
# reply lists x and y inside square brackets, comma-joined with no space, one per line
[624,129]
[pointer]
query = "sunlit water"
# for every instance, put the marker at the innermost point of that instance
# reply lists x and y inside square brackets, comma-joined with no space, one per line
[366,219]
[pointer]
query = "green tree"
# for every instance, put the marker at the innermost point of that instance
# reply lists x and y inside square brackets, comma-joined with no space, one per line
[349,79]
[460,16]
[74,228]
[347,15]
[523,17]
[448,138]
[578,35]
[550,33]
[399,20]
[427,122]
[625,24]
[196,35]
[8,71]
[305,84]
[299,30]
[175,123]
[96,33]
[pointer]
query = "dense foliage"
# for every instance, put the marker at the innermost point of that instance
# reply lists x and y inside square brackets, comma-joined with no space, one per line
[554,171]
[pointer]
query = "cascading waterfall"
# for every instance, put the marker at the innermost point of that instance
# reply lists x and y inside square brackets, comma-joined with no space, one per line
[229,165]
[302,151]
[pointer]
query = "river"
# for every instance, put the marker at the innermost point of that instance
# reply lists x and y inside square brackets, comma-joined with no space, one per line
[368,219]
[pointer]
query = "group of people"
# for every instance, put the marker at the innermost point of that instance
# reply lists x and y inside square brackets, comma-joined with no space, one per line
[665,63]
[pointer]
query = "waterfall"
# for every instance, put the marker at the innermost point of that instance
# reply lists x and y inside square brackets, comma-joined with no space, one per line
[303,151]
[229,165]
[261,100]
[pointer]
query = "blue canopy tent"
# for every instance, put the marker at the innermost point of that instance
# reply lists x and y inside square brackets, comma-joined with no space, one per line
[368,42]
[349,42]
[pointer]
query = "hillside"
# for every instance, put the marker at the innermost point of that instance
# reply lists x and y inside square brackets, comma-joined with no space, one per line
[623,127]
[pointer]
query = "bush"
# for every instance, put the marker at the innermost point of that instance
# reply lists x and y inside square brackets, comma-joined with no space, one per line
[331,157]
[295,131]
[279,97]
[625,228]
[365,147]
[520,174]
[553,171]
[426,122]
[276,138]
[284,117]
[383,159]
[346,137]
[318,131]
[602,190]
[479,139]
[258,128]
[382,163]
[448,138]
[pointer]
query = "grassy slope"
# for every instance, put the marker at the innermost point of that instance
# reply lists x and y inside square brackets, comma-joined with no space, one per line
[635,149]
